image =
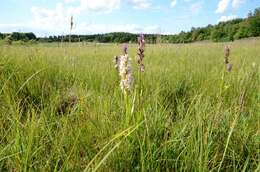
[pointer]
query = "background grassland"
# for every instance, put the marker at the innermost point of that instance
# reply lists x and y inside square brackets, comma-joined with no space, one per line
[186,113]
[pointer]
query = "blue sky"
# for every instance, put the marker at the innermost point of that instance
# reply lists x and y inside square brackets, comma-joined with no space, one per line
[51,17]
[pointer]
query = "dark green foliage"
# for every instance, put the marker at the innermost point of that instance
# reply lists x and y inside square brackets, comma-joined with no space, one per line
[30,36]
[1,36]
[17,36]
[254,23]
[8,40]
[116,37]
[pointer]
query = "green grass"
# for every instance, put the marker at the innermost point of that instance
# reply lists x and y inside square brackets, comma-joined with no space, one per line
[186,112]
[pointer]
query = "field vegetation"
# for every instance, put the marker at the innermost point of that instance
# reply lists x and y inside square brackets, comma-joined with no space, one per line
[62,109]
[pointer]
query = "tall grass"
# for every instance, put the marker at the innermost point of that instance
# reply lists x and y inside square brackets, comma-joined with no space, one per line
[190,114]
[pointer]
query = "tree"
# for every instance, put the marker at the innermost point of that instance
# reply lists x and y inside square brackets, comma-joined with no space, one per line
[1,36]
[243,31]
[30,36]
[8,40]
[254,23]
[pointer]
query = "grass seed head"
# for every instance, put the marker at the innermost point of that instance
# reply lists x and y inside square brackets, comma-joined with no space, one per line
[71,23]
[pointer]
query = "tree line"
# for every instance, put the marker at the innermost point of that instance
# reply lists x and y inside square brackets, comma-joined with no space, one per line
[223,31]
[17,36]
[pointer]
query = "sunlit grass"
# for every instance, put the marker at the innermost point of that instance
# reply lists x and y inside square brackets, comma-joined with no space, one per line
[185,113]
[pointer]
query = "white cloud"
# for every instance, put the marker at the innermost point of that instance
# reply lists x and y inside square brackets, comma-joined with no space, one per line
[237,3]
[57,20]
[222,6]
[173,3]
[195,8]
[60,14]
[99,5]
[69,1]
[140,4]
[227,18]
[49,18]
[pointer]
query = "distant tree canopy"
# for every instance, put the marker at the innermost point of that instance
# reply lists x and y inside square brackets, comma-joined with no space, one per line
[223,31]
[16,36]
[1,36]
[116,37]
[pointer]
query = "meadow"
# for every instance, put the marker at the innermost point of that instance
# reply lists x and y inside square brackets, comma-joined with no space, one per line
[186,112]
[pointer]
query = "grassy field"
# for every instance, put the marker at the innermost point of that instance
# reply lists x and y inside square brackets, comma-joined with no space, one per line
[186,112]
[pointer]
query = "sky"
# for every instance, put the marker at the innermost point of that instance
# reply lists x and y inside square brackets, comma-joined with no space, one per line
[52,17]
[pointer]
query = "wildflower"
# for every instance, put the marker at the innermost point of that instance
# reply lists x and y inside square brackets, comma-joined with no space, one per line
[140,53]
[227,53]
[226,56]
[229,67]
[126,73]
[124,67]
[125,48]
[142,67]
